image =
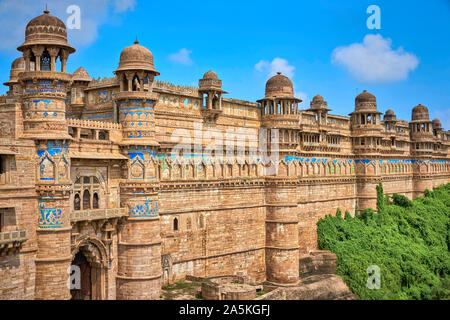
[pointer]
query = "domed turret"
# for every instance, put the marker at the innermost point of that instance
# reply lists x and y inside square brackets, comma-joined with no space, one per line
[279,96]
[278,86]
[365,101]
[210,81]
[17,67]
[318,103]
[210,75]
[46,30]
[45,42]
[136,99]
[421,128]
[420,113]
[210,87]
[436,124]
[136,58]
[43,86]
[390,115]
[318,98]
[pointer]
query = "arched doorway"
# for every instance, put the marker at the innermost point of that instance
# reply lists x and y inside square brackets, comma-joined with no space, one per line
[91,258]
[85,291]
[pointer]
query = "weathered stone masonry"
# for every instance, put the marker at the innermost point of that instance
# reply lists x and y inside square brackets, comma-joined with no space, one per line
[89,179]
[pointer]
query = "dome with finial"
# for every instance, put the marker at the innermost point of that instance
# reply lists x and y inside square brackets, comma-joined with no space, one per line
[46,30]
[365,101]
[389,115]
[136,57]
[279,85]
[420,113]
[81,75]
[210,75]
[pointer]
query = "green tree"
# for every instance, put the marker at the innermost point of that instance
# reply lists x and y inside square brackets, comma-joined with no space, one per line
[408,240]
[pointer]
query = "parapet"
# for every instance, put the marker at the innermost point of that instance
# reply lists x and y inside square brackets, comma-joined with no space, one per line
[90,124]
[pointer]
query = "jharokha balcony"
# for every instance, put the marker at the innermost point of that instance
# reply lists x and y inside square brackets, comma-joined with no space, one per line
[97,214]
[11,242]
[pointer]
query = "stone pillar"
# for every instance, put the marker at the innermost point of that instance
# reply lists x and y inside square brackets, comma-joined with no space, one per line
[129,76]
[64,56]
[53,55]
[38,51]
[27,57]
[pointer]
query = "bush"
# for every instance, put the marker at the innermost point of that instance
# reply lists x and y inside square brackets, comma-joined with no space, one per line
[401,201]
[408,240]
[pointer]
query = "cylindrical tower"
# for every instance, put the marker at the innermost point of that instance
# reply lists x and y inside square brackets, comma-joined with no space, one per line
[282,246]
[366,135]
[139,274]
[422,148]
[44,89]
[280,111]
[44,120]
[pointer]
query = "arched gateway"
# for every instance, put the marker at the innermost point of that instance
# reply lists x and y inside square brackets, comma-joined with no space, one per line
[90,255]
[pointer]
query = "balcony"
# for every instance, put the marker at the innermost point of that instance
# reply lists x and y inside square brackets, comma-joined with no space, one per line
[97,214]
[11,242]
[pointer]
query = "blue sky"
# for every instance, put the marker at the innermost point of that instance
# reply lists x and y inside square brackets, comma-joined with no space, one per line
[324,45]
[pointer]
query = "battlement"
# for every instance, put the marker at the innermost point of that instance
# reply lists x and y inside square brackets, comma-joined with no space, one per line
[190,90]
[103,82]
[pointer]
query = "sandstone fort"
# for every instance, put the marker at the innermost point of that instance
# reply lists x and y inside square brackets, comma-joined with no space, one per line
[88,174]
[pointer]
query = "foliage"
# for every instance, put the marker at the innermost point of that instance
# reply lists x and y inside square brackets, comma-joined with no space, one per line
[408,240]
[401,200]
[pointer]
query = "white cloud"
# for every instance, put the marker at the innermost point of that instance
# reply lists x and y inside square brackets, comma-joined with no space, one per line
[181,57]
[276,65]
[15,14]
[374,61]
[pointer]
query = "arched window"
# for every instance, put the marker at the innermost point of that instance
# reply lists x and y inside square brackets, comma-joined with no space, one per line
[45,61]
[86,200]
[77,202]
[95,201]
[136,85]
[175,224]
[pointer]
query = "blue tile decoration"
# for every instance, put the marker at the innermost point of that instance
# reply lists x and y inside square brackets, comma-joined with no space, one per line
[364,161]
[149,208]
[46,163]
[103,95]
[99,116]
[49,218]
